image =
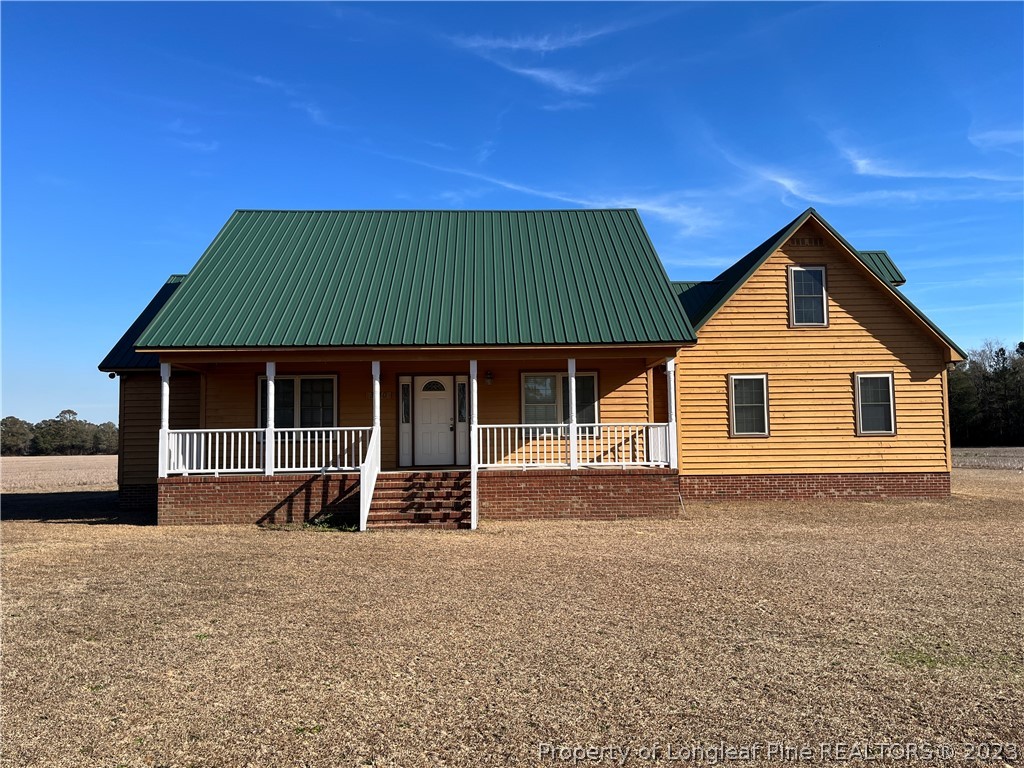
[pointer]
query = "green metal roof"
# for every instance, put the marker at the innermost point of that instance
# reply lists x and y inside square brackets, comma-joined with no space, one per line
[883,266]
[719,290]
[420,278]
[693,295]
[123,356]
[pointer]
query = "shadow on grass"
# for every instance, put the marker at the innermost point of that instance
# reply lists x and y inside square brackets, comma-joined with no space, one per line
[83,507]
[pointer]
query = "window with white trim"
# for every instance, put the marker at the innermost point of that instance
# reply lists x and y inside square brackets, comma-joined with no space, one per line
[300,401]
[808,300]
[748,405]
[545,398]
[875,404]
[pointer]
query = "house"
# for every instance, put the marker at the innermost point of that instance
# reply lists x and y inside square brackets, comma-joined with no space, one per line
[437,367]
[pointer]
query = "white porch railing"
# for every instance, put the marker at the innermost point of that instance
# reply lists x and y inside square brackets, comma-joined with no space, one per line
[225,451]
[548,445]
[195,451]
[320,449]
[368,477]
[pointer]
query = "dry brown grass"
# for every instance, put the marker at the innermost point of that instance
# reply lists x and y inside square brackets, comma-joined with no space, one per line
[989,458]
[50,474]
[224,646]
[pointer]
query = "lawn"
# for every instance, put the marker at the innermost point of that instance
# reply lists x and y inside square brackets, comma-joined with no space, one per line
[231,646]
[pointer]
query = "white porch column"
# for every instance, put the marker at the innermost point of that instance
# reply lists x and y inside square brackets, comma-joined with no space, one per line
[269,444]
[574,458]
[165,418]
[474,447]
[673,431]
[375,372]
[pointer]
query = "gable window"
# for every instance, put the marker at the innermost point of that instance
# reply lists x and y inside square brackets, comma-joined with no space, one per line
[748,405]
[808,302]
[876,412]
[546,398]
[300,401]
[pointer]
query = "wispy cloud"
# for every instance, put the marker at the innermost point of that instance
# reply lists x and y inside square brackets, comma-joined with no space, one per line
[966,283]
[568,104]
[865,165]
[300,101]
[312,110]
[183,128]
[1000,138]
[53,180]
[799,188]
[562,80]
[691,219]
[546,43]
[520,55]
[197,145]
[485,150]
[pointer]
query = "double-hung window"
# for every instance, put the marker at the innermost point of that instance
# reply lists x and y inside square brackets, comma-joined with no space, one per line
[546,398]
[808,300]
[874,404]
[748,405]
[300,401]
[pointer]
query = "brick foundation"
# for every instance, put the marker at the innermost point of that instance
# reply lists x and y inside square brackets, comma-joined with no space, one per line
[258,499]
[868,485]
[586,494]
[137,498]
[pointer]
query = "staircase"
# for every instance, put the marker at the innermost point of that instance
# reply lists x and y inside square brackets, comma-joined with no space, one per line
[420,500]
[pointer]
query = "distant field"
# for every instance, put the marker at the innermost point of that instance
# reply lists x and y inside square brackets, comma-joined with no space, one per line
[989,458]
[53,474]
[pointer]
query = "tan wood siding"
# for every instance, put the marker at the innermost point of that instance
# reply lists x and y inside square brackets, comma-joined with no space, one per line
[810,378]
[139,425]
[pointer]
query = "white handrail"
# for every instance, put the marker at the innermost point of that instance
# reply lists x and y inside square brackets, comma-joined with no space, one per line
[644,444]
[368,472]
[196,451]
[224,451]
[320,449]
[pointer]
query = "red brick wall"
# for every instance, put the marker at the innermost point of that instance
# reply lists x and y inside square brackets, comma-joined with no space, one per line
[281,499]
[868,485]
[588,494]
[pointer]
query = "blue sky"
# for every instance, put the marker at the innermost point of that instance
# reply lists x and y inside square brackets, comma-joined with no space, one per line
[131,131]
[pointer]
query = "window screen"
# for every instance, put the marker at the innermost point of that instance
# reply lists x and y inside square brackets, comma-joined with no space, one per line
[539,404]
[317,403]
[808,295]
[299,402]
[875,396]
[749,401]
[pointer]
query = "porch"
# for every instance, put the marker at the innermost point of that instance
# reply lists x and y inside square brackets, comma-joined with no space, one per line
[469,421]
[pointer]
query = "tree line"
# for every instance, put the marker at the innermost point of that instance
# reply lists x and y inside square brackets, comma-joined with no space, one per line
[66,435]
[986,397]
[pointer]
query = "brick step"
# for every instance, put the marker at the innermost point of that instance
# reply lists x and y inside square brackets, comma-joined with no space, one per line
[417,505]
[449,525]
[418,487]
[418,517]
[430,493]
[421,476]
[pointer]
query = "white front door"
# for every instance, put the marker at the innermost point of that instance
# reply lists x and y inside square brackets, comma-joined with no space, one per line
[435,420]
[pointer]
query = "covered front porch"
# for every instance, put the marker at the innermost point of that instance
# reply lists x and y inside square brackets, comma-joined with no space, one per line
[542,414]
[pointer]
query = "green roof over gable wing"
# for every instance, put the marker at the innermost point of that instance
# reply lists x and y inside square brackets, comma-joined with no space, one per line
[882,265]
[421,278]
[693,295]
[727,283]
[123,356]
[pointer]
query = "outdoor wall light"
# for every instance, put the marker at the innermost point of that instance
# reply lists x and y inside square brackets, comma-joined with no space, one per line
[488,378]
